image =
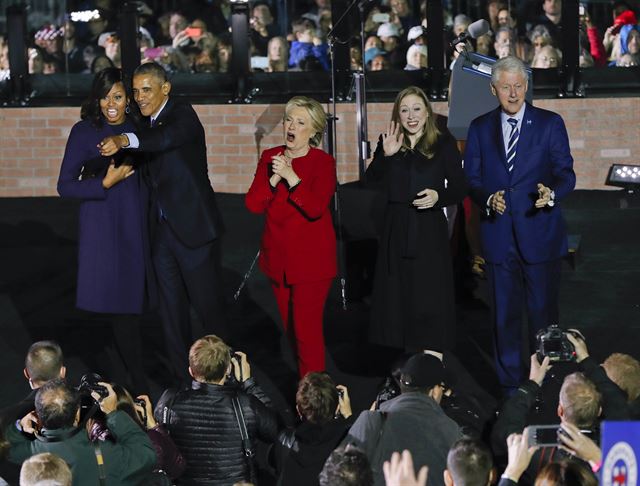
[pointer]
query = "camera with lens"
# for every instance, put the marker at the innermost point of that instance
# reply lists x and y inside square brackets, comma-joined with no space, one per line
[388,390]
[90,383]
[553,342]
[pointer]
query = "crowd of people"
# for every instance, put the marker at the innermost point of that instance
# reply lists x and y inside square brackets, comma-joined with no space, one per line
[208,433]
[292,36]
[149,237]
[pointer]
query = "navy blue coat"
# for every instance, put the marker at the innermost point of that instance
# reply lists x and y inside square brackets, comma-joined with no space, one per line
[543,156]
[112,237]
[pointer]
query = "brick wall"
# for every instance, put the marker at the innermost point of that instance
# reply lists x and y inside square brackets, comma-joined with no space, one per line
[601,131]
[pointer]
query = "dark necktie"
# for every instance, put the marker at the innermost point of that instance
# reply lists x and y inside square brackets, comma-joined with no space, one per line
[513,143]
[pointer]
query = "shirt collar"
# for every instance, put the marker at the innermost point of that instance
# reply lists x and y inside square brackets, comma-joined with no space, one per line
[518,116]
[154,118]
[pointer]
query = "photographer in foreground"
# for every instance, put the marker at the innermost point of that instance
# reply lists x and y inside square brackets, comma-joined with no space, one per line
[205,420]
[125,461]
[578,405]
[324,409]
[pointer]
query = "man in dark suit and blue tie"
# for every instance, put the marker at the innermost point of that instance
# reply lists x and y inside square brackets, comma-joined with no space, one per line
[186,236]
[519,166]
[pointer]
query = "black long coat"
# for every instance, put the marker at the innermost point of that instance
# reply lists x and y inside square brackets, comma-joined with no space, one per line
[413,294]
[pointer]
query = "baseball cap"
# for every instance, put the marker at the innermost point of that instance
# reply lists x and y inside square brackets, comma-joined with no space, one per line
[388,30]
[423,371]
[415,32]
[372,52]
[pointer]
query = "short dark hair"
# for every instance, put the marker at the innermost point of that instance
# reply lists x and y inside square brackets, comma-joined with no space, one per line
[44,361]
[346,466]
[152,68]
[317,397]
[469,462]
[57,404]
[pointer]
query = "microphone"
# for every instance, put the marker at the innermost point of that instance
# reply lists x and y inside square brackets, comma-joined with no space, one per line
[475,30]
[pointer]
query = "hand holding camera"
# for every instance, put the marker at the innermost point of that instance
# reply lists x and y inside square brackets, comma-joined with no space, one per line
[344,402]
[106,403]
[576,443]
[576,338]
[538,370]
[520,454]
[143,406]
[30,423]
[241,368]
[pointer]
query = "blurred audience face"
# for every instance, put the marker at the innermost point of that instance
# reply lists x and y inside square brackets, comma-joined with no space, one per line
[546,58]
[262,15]
[177,23]
[379,63]
[503,45]
[633,42]
[552,7]
[113,105]
[97,26]
[277,49]
[539,42]
[417,58]
[372,41]
[504,19]
[400,7]
[413,114]
[483,44]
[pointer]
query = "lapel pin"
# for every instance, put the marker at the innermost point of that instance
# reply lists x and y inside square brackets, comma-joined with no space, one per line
[528,122]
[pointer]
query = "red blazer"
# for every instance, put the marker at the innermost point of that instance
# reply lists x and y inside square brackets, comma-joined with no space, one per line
[298,242]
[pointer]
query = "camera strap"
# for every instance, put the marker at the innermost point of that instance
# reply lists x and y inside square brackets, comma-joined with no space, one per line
[102,472]
[249,453]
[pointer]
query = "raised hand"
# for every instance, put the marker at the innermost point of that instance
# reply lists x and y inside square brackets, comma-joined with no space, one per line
[399,471]
[392,139]
[427,198]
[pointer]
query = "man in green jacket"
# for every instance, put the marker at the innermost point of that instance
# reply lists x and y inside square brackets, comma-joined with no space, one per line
[127,460]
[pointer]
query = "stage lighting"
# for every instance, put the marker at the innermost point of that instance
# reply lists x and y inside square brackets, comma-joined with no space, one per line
[239,1]
[84,15]
[624,175]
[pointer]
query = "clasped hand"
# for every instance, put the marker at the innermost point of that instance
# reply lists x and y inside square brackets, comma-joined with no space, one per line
[544,196]
[282,169]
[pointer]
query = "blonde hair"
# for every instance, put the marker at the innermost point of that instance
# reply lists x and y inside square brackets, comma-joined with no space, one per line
[316,113]
[624,371]
[209,359]
[45,468]
[580,400]
[425,144]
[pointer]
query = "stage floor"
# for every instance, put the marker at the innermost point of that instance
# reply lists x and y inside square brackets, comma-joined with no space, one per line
[600,296]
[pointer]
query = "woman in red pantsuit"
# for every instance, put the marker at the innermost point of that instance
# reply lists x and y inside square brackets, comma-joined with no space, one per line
[293,186]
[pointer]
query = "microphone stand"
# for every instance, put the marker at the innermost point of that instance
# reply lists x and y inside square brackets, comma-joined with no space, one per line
[363,143]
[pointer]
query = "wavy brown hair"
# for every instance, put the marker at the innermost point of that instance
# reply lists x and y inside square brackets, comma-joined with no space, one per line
[426,143]
[317,397]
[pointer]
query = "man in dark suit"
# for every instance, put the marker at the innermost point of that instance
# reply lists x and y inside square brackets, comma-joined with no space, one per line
[186,236]
[519,167]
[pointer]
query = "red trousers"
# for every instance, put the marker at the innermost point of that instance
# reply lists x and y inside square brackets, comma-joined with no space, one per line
[303,305]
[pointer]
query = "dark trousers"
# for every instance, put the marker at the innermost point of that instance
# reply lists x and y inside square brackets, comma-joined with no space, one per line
[513,282]
[187,277]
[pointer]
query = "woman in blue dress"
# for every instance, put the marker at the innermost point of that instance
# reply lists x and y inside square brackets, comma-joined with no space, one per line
[112,240]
